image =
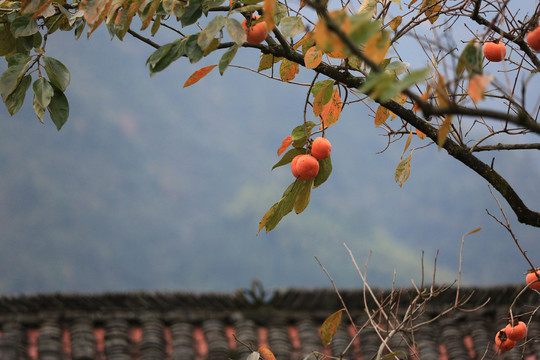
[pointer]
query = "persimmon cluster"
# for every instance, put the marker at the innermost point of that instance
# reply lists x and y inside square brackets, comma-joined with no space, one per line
[508,336]
[305,167]
[516,330]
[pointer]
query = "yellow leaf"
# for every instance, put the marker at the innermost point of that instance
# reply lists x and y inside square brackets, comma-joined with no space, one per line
[407,143]
[473,231]
[313,57]
[288,70]
[303,40]
[377,47]
[444,130]
[381,115]
[327,41]
[403,170]
[267,216]
[331,111]
[269,7]
[400,99]
[477,86]
[395,22]
[420,134]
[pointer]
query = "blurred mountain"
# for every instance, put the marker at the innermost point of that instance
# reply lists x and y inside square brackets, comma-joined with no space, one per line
[151,186]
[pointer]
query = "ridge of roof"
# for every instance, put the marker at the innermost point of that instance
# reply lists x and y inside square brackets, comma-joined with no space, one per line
[292,299]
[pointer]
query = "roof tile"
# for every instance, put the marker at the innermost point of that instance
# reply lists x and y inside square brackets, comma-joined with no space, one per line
[208,326]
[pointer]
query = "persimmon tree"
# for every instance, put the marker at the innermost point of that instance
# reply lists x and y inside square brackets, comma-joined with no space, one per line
[358,55]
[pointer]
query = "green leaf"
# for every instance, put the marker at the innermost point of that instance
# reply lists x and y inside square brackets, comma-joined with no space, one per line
[414,77]
[303,194]
[59,109]
[227,58]
[192,49]
[301,133]
[325,169]
[323,84]
[15,100]
[292,25]
[289,156]
[57,72]
[165,55]
[322,92]
[155,26]
[280,11]
[284,206]
[192,14]
[43,93]
[363,29]
[7,41]
[470,59]
[79,25]
[209,33]
[208,4]
[248,8]
[378,83]
[23,26]
[236,31]
[330,326]
[9,80]
[397,68]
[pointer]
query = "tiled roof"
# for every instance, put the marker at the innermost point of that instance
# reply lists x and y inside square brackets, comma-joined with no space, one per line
[143,325]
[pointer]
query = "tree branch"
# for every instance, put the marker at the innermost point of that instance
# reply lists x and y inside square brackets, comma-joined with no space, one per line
[534,146]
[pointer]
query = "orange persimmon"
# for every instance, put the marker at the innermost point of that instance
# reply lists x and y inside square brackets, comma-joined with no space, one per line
[533,39]
[494,51]
[531,276]
[321,148]
[516,331]
[307,167]
[502,342]
[256,32]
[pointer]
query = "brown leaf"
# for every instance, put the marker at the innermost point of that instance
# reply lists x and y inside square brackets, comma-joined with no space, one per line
[381,115]
[377,47]
[395,22]
[444,130]
[330,326]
